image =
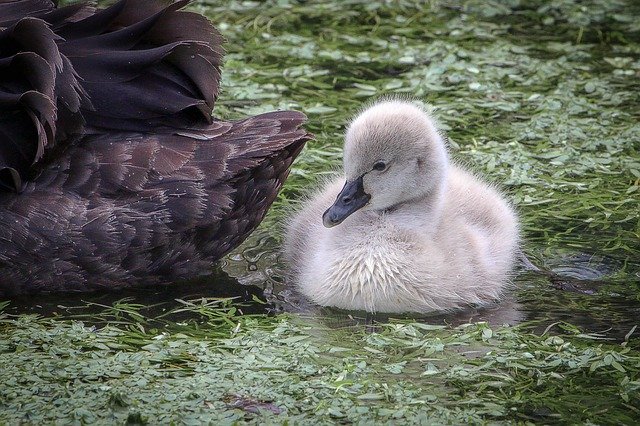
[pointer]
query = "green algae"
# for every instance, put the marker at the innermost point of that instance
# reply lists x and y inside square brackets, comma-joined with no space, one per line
[555,122]
[227,369]
[541,97]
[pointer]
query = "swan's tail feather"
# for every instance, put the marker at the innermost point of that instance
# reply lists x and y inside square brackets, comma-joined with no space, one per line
[277,141]
[38,88]
[138,65]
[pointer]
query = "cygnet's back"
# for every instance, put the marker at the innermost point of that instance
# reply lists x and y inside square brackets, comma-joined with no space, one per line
[408,231]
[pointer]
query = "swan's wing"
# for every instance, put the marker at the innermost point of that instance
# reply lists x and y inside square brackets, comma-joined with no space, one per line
[145,65]
[215,182]
[135,66]
[12,11]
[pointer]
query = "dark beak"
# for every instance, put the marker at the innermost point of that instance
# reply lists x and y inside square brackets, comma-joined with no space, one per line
[351,198]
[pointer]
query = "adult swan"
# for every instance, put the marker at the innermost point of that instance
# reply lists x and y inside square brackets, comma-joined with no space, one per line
[112,171]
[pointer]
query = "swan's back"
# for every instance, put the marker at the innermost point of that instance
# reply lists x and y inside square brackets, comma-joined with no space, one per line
[488,224]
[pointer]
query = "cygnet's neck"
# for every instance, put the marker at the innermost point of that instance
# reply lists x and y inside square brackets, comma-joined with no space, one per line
[424,211]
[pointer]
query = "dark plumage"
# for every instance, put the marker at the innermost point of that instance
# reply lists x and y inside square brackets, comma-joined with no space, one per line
[112,171]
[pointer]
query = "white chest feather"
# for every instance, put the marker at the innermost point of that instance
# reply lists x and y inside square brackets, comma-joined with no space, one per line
[367,276]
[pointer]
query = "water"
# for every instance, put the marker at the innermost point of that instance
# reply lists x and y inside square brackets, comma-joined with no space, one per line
[598,294]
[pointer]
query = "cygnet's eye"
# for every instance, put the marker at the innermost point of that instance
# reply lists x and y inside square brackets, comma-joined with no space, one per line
[379,166]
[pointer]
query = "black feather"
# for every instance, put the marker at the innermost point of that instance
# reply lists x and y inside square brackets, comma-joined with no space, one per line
[112,171]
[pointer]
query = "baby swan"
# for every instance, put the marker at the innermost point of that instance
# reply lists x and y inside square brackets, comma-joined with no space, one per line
[409,231]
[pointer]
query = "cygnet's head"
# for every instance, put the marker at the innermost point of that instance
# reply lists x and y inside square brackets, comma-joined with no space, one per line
[393,153]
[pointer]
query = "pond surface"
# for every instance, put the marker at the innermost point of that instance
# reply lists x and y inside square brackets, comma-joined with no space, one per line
[595,293]
[540,97]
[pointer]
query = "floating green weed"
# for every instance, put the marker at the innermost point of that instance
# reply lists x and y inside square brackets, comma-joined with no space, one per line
[542,97]
[299,370]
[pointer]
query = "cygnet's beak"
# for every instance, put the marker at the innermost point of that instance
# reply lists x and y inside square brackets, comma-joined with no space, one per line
[351,198]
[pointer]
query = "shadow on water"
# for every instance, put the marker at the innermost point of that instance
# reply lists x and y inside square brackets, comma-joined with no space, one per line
[155,301]
[596,293]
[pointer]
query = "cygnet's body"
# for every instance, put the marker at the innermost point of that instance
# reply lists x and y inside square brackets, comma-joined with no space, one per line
[409,231]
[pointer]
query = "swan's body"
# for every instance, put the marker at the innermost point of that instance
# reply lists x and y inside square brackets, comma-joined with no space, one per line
[112,171]
[420,235]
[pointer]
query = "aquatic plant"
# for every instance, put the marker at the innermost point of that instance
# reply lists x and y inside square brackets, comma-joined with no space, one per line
[543,97]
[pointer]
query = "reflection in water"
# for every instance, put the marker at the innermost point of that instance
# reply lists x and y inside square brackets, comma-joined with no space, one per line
[157,300]
[598,294]
[583,266]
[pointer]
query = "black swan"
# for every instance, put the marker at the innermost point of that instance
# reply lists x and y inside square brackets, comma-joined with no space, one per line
[112,171]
